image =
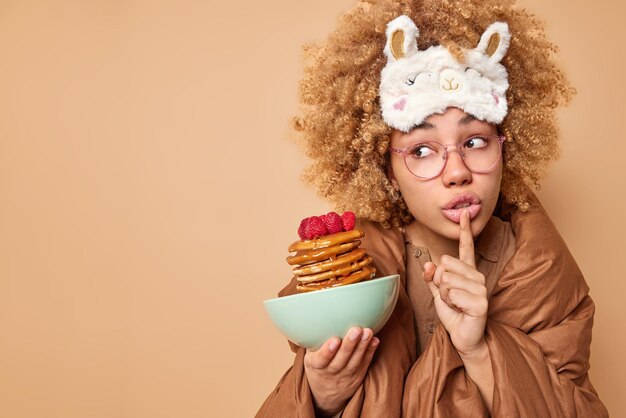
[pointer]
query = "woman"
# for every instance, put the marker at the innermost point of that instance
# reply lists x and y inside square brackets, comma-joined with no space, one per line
[432,144]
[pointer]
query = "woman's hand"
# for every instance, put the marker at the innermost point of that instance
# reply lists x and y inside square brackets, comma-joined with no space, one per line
[337,368]
[461,303]
[460,294]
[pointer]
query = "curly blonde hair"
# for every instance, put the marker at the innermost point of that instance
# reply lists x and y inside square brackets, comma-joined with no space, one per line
[341,124]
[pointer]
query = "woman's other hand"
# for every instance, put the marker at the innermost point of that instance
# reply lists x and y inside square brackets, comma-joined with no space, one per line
[337,368]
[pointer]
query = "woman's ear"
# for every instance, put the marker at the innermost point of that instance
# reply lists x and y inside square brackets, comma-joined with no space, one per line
[392,178]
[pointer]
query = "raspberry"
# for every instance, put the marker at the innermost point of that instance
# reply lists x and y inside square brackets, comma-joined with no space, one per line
[302,228]
[333,222]
[348,220]
[315,228]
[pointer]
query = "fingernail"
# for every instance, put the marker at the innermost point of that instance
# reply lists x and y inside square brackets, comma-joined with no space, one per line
[374,342]
[355,334]
[367,333]
[333,345]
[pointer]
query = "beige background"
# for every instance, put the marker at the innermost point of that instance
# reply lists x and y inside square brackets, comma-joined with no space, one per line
[148,193]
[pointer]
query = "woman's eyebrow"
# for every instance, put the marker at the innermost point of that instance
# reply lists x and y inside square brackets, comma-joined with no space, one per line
[423,125]
[466,120]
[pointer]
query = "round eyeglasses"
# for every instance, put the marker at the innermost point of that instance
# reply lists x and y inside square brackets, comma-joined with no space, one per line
[426,160]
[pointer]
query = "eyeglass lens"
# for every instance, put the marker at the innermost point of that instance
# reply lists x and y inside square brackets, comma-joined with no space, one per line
[427,159]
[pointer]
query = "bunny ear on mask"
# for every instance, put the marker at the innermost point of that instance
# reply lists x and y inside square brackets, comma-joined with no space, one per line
[401,38]
[495,41]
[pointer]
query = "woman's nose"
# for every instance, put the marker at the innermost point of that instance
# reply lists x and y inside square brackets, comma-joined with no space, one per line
[456,173]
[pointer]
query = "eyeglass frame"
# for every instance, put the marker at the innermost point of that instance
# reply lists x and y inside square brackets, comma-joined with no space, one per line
[403,152]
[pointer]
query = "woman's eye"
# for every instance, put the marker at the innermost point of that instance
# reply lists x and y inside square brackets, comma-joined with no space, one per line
[422,151]
[476,142]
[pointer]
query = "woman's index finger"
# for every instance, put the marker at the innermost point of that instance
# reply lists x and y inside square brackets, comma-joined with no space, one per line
[466,240]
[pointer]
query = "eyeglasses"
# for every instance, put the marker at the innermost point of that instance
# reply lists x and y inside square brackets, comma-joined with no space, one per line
[426,160]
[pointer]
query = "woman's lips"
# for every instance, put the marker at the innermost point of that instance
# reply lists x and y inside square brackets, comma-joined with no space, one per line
[455,214]
[461,201]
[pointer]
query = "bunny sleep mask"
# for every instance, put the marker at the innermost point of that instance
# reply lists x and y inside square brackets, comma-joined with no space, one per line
[418,83]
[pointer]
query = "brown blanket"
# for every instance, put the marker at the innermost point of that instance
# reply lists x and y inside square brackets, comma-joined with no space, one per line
[538,333]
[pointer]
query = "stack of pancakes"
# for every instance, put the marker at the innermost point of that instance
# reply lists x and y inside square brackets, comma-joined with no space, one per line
[330,261]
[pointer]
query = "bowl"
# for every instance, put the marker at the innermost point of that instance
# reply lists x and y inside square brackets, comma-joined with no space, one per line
[309,319]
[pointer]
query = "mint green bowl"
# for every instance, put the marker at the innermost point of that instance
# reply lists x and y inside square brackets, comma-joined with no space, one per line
[309,319]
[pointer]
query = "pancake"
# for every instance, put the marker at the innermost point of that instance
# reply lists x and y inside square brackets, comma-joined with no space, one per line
[367,272]
[330,261]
